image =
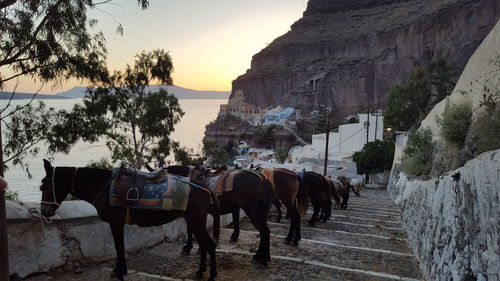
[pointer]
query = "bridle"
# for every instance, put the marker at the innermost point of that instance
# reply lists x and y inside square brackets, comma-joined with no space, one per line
[54,187]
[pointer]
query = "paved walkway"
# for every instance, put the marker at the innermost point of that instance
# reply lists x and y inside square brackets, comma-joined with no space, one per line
[364,242]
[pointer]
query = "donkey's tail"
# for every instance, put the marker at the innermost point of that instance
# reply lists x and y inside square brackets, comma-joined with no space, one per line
[302,196]
[216,216]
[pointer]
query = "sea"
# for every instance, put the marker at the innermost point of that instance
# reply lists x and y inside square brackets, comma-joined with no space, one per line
[188,132]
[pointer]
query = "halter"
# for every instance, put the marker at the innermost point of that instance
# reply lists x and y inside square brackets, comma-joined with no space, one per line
[53,191]
[54,187]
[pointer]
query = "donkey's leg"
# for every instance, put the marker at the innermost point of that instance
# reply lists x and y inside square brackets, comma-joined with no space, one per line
[315,215]
[298,236]
[291,231]
[118,237]
[258,217]
[328,209]
[198,226]
[236,226]
[277,203]
[189,244]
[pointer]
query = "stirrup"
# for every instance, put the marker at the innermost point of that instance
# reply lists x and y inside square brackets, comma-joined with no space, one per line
[132,194]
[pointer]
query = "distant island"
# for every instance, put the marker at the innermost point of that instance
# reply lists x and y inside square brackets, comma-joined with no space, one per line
[79,92]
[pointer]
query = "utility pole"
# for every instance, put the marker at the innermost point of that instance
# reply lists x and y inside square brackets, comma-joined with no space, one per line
[4,254]
[367,125]
[326,145]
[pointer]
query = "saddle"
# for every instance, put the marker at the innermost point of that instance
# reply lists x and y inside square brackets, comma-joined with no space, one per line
[269,173]
[222,181]
[157,190]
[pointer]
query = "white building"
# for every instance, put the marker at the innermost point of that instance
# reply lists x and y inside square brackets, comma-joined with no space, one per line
[342,144]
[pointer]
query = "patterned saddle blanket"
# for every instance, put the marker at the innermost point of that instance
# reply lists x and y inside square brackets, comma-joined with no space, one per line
[155,191]
[222,182]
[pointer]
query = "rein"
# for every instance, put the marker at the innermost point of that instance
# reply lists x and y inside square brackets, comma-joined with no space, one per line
[54,187]
[53,190]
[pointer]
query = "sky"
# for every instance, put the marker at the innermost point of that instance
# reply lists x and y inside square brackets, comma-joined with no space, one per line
[211,42]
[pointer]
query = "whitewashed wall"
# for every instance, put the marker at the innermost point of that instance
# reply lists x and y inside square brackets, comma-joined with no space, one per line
[76,234]
[453,224]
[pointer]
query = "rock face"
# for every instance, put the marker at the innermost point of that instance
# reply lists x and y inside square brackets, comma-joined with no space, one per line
[348,53]
[453,223]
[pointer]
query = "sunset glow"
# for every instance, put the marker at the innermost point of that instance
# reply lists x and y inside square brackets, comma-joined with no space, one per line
[211,42]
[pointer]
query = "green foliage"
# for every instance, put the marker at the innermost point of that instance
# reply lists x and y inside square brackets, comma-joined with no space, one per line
[12,196]
[375,157]
[215,154]
[185,156]
[485,130]
[455,122]
[47,41]
[417,156]
[28,126]
[280,154]
[101,164]
[409,102]
[135,121]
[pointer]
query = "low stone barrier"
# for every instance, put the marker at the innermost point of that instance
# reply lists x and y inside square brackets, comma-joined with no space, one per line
[76,235]
[453,222]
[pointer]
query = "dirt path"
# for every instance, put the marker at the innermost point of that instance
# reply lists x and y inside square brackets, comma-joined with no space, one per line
[364,242]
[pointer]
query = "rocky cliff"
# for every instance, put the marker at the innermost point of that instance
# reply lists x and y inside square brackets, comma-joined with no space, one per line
[348,53]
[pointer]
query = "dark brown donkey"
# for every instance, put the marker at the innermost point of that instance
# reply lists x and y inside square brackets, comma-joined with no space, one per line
[93,186]
[289,190]
[249,191]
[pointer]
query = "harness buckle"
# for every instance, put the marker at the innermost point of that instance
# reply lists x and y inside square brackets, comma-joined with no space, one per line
[132,194]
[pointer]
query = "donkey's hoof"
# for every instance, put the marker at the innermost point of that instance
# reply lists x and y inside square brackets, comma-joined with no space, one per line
[311,223]
[260,261]
[186,251]
[233,239]
[116,276]
[288,241]
[295,243]
[199,273]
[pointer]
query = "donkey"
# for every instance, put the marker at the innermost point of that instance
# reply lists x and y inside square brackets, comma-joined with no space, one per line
[93,186]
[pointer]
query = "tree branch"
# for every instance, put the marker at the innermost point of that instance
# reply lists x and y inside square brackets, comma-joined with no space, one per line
[32,40]
[7,3]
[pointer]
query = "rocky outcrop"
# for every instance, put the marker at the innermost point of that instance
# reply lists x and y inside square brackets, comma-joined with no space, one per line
[348,53]
[453,222]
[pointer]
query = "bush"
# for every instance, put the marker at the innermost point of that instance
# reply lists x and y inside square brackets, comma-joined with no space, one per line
[12,195]
[281,153]
[455,122]
[417,156]
[485,130]
[101,164]
[375,157]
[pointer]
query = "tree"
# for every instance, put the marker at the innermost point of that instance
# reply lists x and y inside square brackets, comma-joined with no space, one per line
[375,157]
[185,156]
[410,102]
[281,154]
[135,120]
[214,153]
[48,41]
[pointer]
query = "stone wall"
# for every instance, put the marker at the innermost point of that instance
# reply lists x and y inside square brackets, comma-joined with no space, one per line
[453,222]
[76,235]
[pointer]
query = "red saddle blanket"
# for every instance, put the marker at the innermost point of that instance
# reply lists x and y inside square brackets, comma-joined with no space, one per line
[269,173]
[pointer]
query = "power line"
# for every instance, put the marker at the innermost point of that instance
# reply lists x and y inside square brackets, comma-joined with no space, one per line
[337,145]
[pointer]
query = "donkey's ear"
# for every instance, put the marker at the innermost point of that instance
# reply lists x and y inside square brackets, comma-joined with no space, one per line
[47,166]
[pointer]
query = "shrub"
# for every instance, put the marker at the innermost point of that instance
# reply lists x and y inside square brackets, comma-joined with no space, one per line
[417,156]
[485,130]
[12,195]
[455,122]
[281,153]
[375,157]
[101,164]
